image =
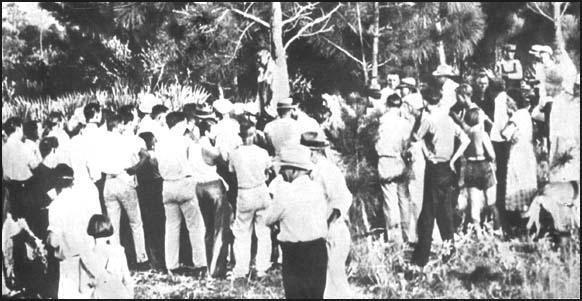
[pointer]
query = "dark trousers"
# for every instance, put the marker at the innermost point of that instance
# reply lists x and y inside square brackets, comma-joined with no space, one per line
[439,192]
[304,269]
[153,216]
[100,184]
[216,212]
[501,156]
[15,200]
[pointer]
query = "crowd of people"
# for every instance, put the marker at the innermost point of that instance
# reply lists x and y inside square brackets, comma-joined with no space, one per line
[216,169]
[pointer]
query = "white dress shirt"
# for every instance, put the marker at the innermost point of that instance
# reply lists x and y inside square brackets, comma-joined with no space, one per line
[337,194]
[86,153]
[172,152]
[18,160]
[500,117]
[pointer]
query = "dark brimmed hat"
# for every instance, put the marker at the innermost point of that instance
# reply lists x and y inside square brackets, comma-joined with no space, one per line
[204,112]
[313,140]
[374,93]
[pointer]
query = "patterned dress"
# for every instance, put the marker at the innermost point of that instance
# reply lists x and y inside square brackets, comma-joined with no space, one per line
[522,164]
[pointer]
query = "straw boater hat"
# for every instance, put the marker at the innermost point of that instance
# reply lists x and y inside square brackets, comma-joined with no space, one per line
[223,106]
[407,82]
[444,70]
[537,50]
[297,156]
[313,140]
[286,103]
[147,102]
[204,111]
[510,47]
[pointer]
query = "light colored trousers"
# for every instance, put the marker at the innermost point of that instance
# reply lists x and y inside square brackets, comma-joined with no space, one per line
[250,214]
[338,248]
[397,208]
[179,198]
[118,193]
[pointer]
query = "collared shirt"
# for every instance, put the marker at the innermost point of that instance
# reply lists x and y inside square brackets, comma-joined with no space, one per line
[119,153]
[301,209]
[282,132]
[18,160]
[172,151]
[500,117]
[147,124]
[439,132]
[86,153]
[308,124]
[449,94]
[393,133]
[33,147]
[249,162]
[337,194]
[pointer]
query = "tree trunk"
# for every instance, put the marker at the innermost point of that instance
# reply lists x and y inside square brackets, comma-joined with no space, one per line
[440,45]
[364,64]
[281,76]
[558,25]
[374,82]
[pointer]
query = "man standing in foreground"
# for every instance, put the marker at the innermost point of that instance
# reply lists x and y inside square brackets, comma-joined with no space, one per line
[439,132]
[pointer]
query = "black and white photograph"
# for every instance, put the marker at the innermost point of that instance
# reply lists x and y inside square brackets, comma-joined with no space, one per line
[290,150]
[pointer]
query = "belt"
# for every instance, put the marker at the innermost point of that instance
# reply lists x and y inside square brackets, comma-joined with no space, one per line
[478,158]
[388,156]
[251,187]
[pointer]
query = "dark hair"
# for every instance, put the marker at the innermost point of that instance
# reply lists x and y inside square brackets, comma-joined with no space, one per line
[517,96]
[148,138]
[189,110]
[174,118]
[90,110]
[106,115]
[30,130]
[47,144]
[394,101]
[392,70]
[113,122]
[245,128]
[431,95]
[205,125]
[11,124]
[55,115]
[126,109]
[64,176]
[472,117]
[99,226]
[283,111]
[126,117]
[157,110]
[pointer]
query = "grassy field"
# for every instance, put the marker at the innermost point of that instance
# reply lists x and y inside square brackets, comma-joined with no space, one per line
[484,267]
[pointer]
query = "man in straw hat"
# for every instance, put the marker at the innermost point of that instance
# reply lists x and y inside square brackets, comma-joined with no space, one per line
[300,207]
[284,130]
[339,200]
[443,74]
[509,68]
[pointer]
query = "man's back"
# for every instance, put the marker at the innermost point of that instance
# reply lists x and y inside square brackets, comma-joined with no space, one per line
[172,151]
[439,132]
[16,160]
[281,132]
[249,162]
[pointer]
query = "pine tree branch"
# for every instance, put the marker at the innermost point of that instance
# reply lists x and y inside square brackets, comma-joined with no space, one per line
[238,43]
[301,31]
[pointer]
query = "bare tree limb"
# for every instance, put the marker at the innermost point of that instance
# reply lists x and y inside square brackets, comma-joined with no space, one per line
[537,9]
[348,23]
[347,53]
[566,5]
[301,12]
[251,17]
[301,31]
[239,42]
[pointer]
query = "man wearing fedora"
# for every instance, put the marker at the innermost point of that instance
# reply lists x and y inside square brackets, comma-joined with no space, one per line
[284,130]
[509,68]
[300,208]
[339,200]
[443,74]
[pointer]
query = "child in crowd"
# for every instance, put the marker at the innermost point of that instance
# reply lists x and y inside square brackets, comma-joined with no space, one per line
[105,264]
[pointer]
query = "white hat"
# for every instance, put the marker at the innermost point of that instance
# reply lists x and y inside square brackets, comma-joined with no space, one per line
[407,82]
[223,106]
[147,102]
[297,156]
[286,103]
[444,70]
